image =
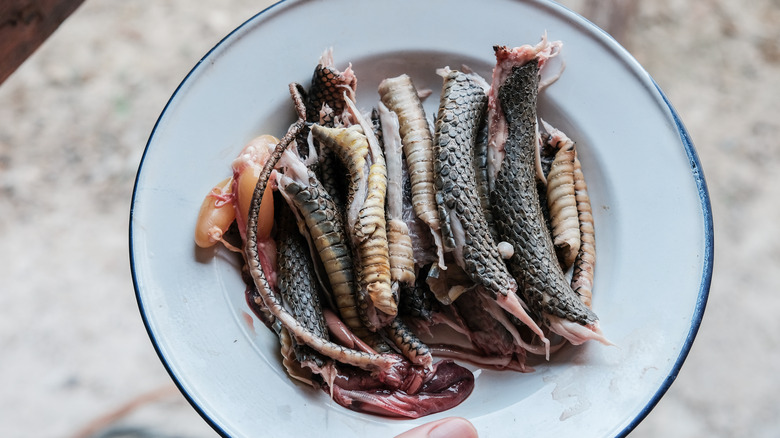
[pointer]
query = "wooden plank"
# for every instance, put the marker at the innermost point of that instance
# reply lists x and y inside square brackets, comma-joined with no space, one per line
[25,25]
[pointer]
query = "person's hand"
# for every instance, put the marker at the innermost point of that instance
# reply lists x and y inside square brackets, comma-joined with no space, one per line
[451,427]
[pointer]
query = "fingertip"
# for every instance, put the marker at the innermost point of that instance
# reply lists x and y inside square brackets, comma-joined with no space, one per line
[453,427]
[450,427]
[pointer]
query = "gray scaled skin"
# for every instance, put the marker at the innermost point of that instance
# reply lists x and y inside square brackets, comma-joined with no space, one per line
[296,276]
[481,174]
[328,86]
[326,229]
[267,297]
[464,227]
[416,302]
[327,234]
[298,284]
[410,345]
[517,213]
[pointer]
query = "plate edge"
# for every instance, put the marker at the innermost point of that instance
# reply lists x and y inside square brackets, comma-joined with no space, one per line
[136,283]
[606,40]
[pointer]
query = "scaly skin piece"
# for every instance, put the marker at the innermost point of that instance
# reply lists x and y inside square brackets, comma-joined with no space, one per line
[401,252]
[518,216]
[410,345]
[375,252]
[400,96]
[497,129]
[297,280]
[327,87]
[326,229]
[354,159]
[481,174]
[299,286]
[272,303]
[398,238]
[325,104]
[585,263]
[463,225]
[366,216]
[561,198]
[416,302]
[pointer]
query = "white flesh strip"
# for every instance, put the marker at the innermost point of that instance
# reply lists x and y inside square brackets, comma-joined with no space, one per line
[574,332]
[495,310]
[512,304]
[394,161]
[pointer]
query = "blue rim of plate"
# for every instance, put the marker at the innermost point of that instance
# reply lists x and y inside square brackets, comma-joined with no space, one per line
[696,169]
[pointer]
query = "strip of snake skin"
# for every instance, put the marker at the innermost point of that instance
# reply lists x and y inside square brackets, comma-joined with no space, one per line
[585,263]
[481,174]
[410,345]
[297,280]
[366,214]
[268,298]
[463,225]
[327,233]
[516,209]
[400,96]
[561,199]
[324,105]
[398,238]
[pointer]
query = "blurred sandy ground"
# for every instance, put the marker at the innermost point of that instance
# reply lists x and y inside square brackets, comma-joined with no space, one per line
[75,359]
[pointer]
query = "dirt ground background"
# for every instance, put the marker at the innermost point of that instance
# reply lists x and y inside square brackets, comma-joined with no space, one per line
[75,360]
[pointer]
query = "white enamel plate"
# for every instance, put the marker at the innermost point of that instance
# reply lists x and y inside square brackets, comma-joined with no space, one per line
[651,208]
